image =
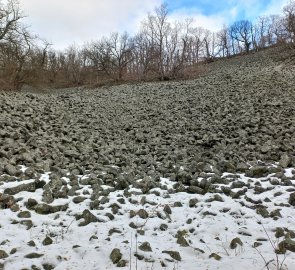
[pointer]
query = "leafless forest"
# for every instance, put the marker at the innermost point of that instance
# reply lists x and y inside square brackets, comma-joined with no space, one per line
[161,50]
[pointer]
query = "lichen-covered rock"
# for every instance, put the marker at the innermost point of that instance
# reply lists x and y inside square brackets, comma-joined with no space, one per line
[47,241]
[287,244]
[10,170]
[3,254]
[145,246]
[46,209]
[115,255]
[285,161]
[88,218]
[193,202]
[292,199]
[173,254]
[6,201]
[280,232]
[215,256]
[31,187]
[235,243]
[143,214]
[34,255]
[24,214]
[257,171]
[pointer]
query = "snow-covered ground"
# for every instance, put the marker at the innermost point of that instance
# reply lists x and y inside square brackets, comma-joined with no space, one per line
[200,227]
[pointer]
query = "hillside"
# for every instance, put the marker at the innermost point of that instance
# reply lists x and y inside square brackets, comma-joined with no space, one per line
[175,175]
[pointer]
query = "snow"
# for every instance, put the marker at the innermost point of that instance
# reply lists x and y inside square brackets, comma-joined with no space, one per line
[75,248]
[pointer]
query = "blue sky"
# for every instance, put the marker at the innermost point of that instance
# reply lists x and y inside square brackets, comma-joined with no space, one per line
[64,22]
[230,9]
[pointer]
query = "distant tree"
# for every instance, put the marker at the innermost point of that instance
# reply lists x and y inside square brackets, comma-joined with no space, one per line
[242,31]
[223,41]
[111,54]
[118,53]
[16,45]
[289,12]
[144,54]
[157,28]
[197,44]
[278,32]
[210,45]
[10,17]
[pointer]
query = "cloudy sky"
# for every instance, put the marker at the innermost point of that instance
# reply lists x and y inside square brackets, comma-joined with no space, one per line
[65,22]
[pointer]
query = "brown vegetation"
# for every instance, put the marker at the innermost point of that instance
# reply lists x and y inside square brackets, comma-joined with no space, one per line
[160,51]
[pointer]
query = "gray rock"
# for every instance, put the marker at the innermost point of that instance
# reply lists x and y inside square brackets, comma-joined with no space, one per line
[3,254]
[6,201]
[262,211]
[292,199]
[216,198]
[173,254]
[257,171]
[215,256]
[182,241]
[287,244]
[132,213]
[47,195]
[47,241]
[145,246]
[48,266]
[193,202]
[78,199]
[31,243]
[163,227]
[280,232]
[116,255]
[24,214]
[237,184]
[13,251]
[285,161]
[31,187]
[88,218]
[195,190]
[235,242]
[183,177]
[31,203]
[167,209]
[33,255]
[143,214]
[11,170]
[45,209]
[227,166]
[71,153]
[28,223]
[122,263]
[177,204]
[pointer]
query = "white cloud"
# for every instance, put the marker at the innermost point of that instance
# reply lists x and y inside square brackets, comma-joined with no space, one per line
[234,12]
[275,7]
[212,22]
[64,22]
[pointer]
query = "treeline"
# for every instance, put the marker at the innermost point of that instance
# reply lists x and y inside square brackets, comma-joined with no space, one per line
[160,50]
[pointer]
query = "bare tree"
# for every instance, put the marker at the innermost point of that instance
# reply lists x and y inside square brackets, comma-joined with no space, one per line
[120,52]
[197,43]
[10,16]
[157,26]
[144,54]
[289,12]
[278,31]
[223,37]
[241,31]
[210,45]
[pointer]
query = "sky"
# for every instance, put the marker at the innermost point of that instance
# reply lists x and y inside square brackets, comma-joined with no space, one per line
[67,22]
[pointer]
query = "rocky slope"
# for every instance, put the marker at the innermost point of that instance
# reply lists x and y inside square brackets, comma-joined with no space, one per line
[204,164]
